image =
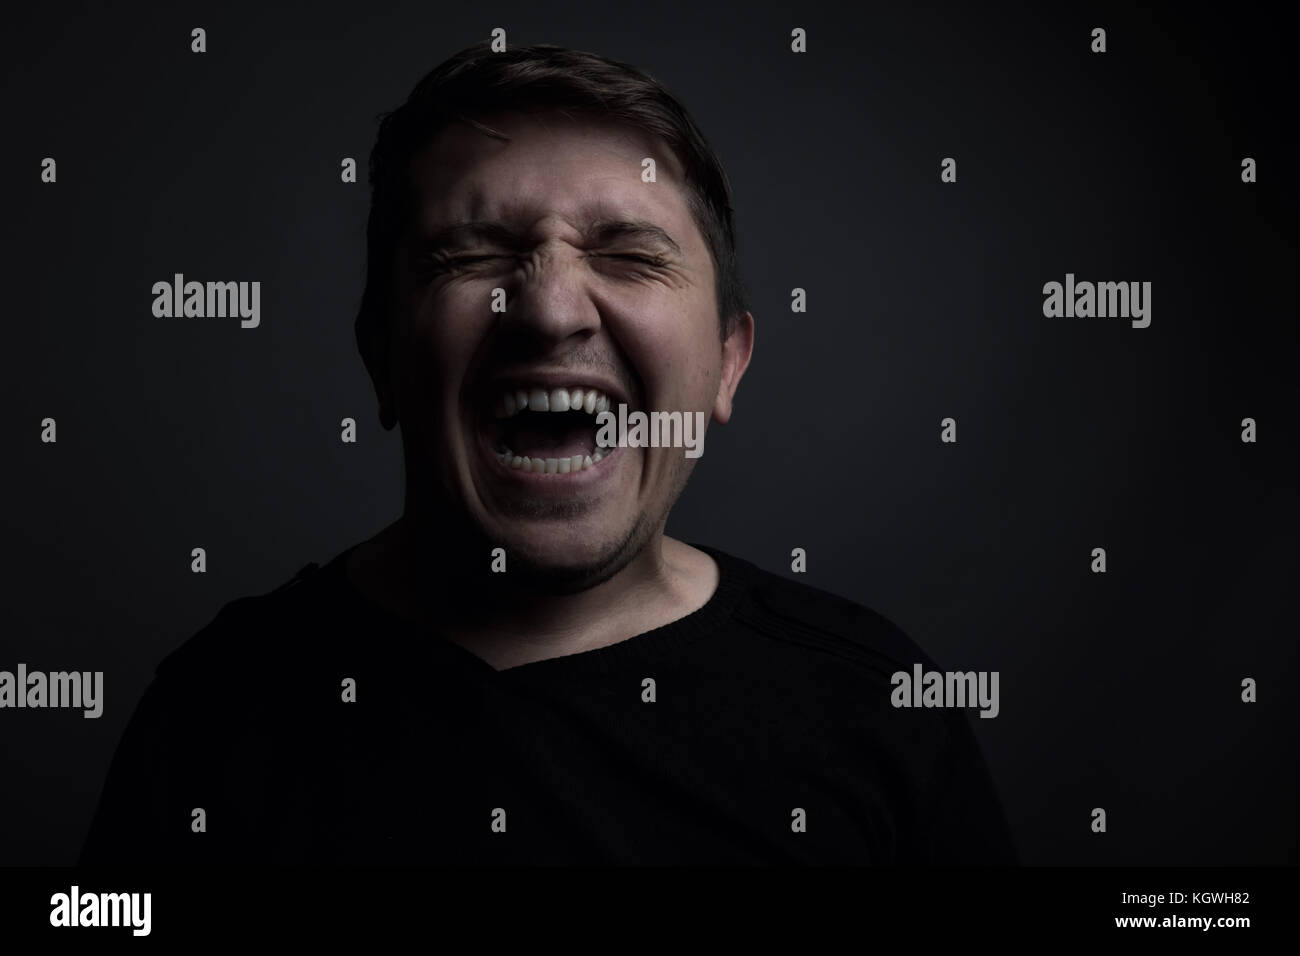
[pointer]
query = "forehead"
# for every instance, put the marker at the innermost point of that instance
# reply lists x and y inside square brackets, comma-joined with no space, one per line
[571,168]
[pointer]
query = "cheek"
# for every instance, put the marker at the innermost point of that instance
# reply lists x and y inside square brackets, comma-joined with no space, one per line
[682,368]
[441,344]
[673,345]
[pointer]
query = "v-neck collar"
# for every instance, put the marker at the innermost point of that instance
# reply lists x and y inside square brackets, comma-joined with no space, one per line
[658,645]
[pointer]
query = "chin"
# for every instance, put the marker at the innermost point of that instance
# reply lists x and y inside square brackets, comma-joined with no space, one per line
[556,564]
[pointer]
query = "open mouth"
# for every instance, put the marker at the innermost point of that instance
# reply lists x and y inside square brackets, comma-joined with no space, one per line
[548,431]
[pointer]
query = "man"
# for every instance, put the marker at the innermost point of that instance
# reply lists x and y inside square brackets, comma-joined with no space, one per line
[524,668]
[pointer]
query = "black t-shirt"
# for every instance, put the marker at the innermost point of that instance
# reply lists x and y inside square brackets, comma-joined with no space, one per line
[758,729]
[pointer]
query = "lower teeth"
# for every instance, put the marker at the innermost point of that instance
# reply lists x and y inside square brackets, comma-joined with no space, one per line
[550,466]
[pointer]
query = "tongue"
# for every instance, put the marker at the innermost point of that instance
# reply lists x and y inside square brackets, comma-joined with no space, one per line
[534,442]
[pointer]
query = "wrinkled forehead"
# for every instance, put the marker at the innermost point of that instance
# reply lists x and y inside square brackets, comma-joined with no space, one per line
[571,166]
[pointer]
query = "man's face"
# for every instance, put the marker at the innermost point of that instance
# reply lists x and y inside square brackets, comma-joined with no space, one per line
[608,287]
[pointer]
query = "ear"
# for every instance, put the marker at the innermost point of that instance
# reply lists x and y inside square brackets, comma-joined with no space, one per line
[736,351]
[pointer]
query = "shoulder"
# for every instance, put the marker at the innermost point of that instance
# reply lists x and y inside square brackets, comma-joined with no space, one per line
[251,633]
[838,660]
[810,621]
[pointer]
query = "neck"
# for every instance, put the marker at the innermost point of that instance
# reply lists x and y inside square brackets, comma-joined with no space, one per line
[419,574]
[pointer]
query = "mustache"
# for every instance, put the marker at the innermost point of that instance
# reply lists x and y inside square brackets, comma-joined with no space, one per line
[508,357]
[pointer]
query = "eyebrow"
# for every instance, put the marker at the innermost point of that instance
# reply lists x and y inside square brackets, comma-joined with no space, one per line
[598,232]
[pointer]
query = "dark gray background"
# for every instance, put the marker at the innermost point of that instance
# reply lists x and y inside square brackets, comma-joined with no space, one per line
[1118,690]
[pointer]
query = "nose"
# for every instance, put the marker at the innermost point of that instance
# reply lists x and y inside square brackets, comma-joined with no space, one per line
[550,298]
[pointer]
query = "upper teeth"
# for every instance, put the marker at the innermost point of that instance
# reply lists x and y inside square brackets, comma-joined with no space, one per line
[555,400]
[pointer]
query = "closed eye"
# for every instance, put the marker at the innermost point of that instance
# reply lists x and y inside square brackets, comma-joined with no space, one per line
[440,263]
[467,260]
[435,264]
[632,257]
